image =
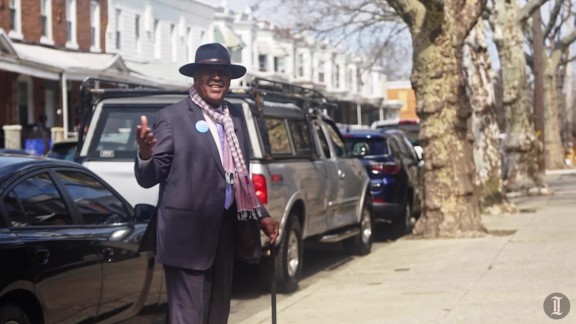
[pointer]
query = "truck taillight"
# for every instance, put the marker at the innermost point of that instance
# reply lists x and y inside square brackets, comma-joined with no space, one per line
[260,187]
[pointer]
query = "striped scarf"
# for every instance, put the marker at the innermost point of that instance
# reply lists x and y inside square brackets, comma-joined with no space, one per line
[247,202]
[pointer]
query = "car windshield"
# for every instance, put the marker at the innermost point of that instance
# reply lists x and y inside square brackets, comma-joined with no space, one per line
[115,133]
[411,131]
[371,146]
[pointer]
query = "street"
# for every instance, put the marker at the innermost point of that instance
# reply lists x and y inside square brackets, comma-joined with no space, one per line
[502,277]
[322,261]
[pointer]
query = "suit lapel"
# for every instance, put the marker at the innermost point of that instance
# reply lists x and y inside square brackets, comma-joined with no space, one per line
[197,115]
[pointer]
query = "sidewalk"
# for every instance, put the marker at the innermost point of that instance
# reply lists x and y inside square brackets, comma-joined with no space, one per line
[501,278]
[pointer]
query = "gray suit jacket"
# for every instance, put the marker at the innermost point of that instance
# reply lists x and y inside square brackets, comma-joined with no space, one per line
[185,162]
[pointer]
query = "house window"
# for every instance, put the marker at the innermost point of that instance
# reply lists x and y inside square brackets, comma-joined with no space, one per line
[189,44]
[262,63]
[15,16]
[71,22]
[46,22]
[173,43]
[137,21]
[279,64]
[118,30]
[157,40]
[337,77]
[137,27]
[321,71]
[95,25]
[300,65]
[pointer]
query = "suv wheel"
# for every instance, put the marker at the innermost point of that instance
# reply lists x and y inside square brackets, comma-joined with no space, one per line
[289,258]
[12,314]
[361,244]
[405,223]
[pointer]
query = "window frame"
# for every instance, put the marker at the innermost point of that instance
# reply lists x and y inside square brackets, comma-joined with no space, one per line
[19,179]
[95,25]
[71,24]
[46,37]
[79,216]
[117,29]
[15,24]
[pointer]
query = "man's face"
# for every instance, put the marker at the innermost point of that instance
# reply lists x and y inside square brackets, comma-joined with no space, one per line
[212,83]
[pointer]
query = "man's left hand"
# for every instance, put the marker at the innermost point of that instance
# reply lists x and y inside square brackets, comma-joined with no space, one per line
[270,227]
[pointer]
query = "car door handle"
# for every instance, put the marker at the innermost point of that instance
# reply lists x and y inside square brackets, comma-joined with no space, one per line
[42,255]
[341,174]
[108,254]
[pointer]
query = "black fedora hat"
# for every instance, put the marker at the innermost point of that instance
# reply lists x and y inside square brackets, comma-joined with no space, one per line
[212,54]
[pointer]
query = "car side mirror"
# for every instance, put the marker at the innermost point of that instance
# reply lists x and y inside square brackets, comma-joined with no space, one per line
[144,212]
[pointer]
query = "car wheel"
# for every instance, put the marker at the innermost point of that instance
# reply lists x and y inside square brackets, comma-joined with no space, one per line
[361,244]
[405,223]
[12,314]
[289,258]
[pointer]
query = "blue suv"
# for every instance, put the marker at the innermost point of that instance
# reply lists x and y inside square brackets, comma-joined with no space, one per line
[395,172]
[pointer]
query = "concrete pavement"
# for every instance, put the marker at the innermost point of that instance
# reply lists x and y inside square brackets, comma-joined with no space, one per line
[500,278]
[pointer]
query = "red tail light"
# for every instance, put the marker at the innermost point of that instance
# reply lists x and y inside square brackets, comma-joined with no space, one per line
[409,122]
[387,168]
[260,187]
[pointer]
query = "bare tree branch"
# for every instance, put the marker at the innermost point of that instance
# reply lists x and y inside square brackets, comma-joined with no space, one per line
[553,17]
[526,12]
[568,60]
[409,11]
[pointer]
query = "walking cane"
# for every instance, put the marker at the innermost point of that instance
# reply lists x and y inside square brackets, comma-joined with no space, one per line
[273,252]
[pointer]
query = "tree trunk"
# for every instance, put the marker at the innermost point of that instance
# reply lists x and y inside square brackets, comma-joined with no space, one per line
[450,207]
[520,145]
[484,128]
[554,149]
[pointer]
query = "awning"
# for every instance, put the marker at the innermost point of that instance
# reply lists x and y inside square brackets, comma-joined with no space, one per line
[50,63]
[10,65]
[163,74]
[226,36]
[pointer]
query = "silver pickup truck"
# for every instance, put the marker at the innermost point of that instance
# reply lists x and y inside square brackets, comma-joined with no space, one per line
[300,167]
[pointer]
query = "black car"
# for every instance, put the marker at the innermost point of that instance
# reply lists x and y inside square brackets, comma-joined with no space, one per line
[395,172]
[69,246]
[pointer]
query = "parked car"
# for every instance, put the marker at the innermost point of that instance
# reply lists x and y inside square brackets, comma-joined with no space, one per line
[410,126]
[299,163]
[63,150]
[14,151]
[395,174]
[68,246]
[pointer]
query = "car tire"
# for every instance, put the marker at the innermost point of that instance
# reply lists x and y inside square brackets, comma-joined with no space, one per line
[289,257]
[405,223]
[361,244]
[10,313]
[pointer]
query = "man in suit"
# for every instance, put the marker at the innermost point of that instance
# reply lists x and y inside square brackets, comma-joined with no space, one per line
[207,209]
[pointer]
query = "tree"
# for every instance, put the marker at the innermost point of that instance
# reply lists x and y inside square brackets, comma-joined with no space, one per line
[521,145]
[484,127]
[438,30]
[559,36]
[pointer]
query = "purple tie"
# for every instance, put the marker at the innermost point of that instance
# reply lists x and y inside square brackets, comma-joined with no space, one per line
[229,192]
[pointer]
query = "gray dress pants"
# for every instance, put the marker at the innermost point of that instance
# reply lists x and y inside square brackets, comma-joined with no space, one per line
[203,297]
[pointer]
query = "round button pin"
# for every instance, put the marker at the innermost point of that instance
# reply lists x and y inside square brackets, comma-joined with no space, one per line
[202,126]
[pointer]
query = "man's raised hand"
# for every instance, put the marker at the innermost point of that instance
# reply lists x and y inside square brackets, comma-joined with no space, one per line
[145,138]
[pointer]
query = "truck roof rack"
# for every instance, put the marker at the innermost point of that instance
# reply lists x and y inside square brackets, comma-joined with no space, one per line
[94,90]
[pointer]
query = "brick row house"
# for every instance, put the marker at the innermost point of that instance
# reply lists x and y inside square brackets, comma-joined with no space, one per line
[36,39]
[47,47]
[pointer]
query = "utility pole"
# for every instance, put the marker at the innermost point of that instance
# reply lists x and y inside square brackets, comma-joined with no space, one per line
[538,68]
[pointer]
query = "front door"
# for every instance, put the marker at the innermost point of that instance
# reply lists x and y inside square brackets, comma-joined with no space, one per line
[63,263]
